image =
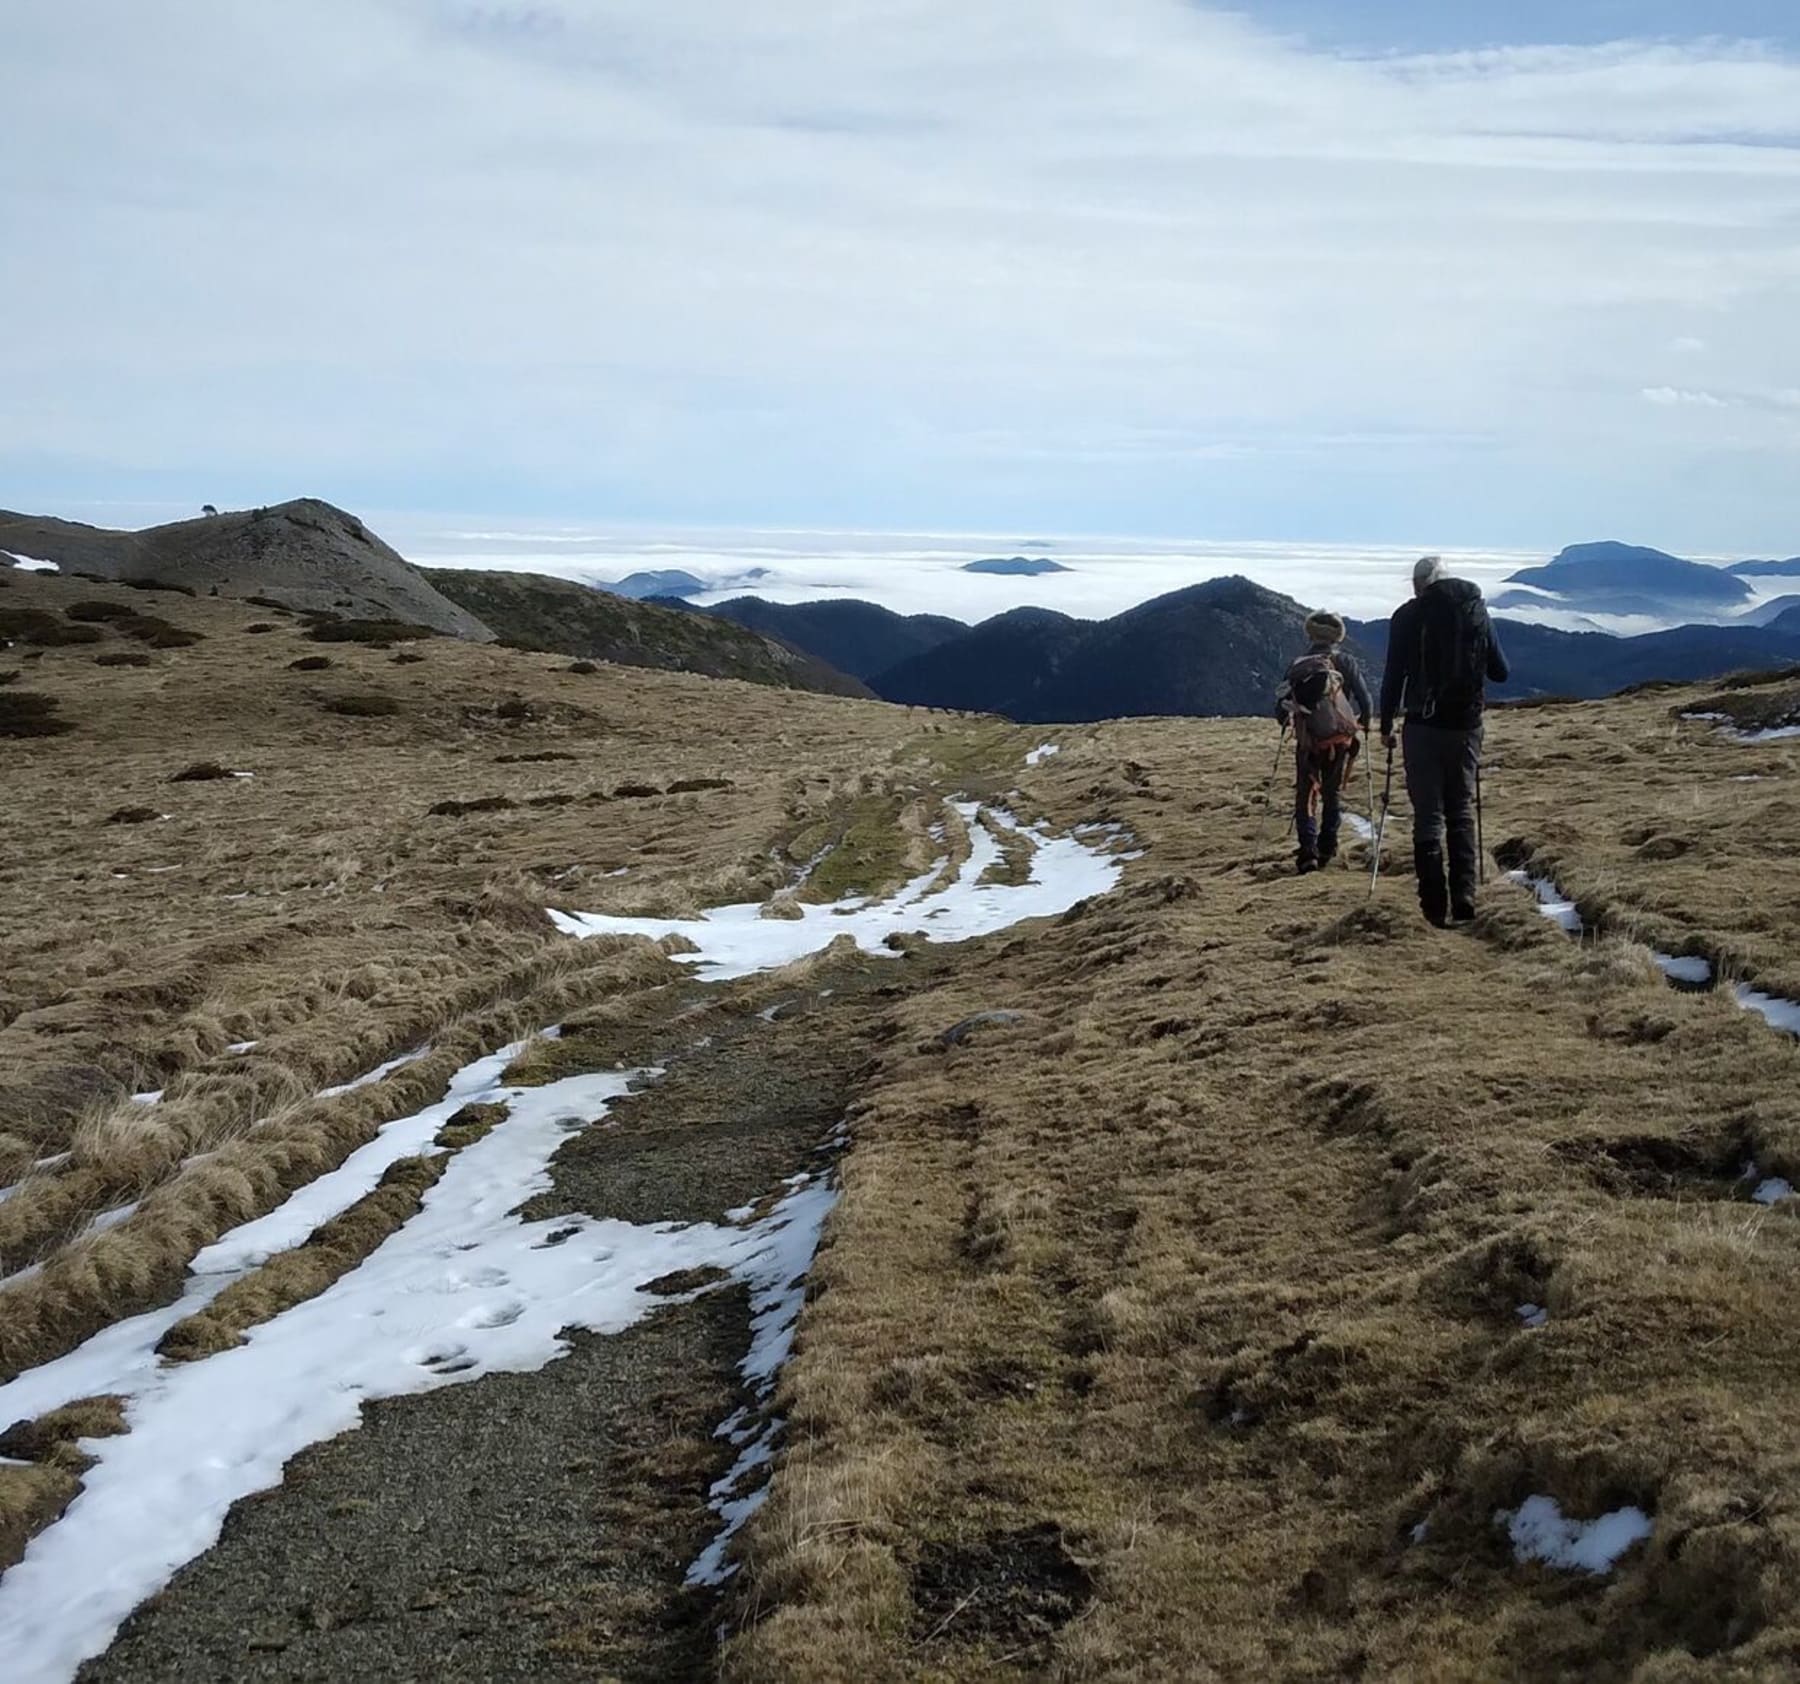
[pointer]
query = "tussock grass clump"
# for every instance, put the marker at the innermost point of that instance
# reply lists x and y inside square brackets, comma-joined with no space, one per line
[481,804]
[10,675]
[369,705]
[158,632]
[542,758]
[292,1277]
[31,1498]
[380,634]
[41,629]
[311,663]
[407,658]
[261,626]
[635,792]
[690,786]
[124,658]
[201,772]
[585,668]
[132,815]
[159,585]
[25,713]
[94,611]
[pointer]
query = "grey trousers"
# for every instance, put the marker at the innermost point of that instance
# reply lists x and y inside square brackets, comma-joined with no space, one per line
[1440,782]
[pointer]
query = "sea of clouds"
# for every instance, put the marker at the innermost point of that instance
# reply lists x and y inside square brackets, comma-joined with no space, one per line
[922,573]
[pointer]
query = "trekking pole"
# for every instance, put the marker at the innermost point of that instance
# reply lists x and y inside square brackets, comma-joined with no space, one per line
[1369,773]
[1269,785]
[1480,844]
[1387,796]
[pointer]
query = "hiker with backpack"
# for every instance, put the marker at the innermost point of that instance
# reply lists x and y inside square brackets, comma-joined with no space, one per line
[1442,653]
[1326,701]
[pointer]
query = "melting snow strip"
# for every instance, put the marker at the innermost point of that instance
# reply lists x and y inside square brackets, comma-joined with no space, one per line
[1552,902]
[1779,1014]
[1540,1532]
[369,1078]
[733,941]
[1043,752]
[1687,970]
[465,1288]
[778,1291]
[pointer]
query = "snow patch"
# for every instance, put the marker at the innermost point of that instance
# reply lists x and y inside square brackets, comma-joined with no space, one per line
[151,1096]
[30,563]
[237,1047]
[1540,1532]
[465,1288]
[1779,1014]
[1042,753]
[1773,1191]
[1552,902]
[734,941]
[1687,970]
[370,1077]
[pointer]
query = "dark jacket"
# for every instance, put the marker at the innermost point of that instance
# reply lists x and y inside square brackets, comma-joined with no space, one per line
[1401,675]
[1355,685]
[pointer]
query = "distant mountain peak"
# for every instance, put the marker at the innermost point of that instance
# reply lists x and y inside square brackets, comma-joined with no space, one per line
[1017,567]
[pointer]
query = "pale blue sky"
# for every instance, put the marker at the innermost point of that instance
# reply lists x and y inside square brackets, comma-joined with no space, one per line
[1364,270]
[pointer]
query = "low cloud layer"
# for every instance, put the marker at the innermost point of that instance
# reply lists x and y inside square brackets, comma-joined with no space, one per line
[1119,265]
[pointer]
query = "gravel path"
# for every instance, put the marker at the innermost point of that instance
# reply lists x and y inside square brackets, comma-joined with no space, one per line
[539,1526]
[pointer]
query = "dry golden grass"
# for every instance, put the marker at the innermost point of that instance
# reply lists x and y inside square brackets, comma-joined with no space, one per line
[1151,1326]
[317,909]
[1154,1321]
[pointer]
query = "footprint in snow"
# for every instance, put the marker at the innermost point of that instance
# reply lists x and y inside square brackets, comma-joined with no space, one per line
[493,1315]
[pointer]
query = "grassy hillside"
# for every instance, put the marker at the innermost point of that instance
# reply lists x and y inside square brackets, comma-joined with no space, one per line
[1173,1320]
[534,611]
[303,553]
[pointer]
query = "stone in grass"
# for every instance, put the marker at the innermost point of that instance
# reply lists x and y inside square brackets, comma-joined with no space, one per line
[202,772]
[957,1033]
[132,815]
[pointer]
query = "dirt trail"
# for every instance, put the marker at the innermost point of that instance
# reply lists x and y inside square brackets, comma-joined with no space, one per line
[540,1525]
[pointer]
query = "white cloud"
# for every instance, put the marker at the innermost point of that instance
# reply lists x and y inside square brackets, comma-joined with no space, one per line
[1670,397]
[711,256]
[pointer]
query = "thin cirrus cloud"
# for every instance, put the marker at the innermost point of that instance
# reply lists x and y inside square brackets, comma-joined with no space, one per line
[1108,265]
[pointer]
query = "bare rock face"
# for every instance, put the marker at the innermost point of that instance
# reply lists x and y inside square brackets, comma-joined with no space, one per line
[305,554]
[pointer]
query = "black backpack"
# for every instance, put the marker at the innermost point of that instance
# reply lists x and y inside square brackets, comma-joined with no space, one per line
[1453,648]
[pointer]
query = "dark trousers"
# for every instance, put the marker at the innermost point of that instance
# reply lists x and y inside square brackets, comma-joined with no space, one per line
[1440,782]
[1318,783]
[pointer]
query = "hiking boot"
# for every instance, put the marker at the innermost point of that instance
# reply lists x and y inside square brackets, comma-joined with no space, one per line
[1463,912]
[1306,865]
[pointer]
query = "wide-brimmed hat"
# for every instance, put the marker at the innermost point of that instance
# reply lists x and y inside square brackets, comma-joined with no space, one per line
[1324,628]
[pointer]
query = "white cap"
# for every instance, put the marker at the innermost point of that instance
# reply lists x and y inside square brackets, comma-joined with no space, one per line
[1427,571]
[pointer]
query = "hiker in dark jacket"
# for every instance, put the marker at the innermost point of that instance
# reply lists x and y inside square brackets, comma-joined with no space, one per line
[1326,701]
[1442,653]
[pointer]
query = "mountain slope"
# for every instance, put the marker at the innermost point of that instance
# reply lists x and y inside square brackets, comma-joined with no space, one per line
[1000,666]
[534,611]
[305,553]
[1588,665]
[1789,569]
[1595,576]
[859,638]
[1214,648]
